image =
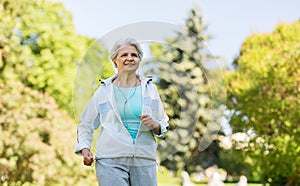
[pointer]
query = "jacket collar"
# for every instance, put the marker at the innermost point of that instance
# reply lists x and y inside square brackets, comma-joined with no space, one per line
[144,79]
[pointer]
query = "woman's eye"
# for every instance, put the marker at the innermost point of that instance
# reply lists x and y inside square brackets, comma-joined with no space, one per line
[127,55]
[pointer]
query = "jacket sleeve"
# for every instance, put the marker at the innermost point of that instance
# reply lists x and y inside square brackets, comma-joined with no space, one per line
[163,119]
[89,121]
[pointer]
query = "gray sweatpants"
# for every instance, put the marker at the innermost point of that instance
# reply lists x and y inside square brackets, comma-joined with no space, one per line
[112,173]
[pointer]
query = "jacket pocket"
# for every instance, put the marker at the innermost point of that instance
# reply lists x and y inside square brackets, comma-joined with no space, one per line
[151,107]
[152,103]
[105,107]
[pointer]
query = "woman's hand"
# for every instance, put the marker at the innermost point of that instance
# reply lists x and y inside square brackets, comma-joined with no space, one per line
[150,123]
[87,157]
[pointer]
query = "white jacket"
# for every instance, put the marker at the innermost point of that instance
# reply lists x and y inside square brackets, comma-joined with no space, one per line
[114,141]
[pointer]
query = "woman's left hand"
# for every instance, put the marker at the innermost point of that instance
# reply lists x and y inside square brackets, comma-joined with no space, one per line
[150,123]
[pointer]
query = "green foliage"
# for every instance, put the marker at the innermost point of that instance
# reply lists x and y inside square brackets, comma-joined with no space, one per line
[38,44]
[38,55]
[264,95]
[235,164]
[184,87]
[37,140]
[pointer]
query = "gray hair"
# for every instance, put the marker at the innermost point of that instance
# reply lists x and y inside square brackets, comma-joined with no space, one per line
[123,42]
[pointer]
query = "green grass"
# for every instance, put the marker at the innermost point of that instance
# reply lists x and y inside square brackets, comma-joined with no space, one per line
[165,178]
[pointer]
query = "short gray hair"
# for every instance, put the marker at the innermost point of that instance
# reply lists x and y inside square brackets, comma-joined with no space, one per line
[123,42]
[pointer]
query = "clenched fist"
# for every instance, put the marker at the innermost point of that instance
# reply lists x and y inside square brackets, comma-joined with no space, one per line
[87,157]
[150,123]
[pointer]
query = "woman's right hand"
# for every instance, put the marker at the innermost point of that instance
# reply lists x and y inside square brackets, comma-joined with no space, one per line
[87,157]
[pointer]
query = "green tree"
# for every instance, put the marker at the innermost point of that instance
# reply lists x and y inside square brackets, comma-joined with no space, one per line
[44,33]
[184,86]
[37,140]
[265,102]
[38,54]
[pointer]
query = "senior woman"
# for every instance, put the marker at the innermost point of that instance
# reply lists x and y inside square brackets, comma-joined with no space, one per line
[130,112]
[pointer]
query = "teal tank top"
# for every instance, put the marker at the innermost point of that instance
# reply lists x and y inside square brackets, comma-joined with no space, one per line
[129,105]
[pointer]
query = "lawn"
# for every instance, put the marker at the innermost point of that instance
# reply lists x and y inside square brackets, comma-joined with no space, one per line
[166,179]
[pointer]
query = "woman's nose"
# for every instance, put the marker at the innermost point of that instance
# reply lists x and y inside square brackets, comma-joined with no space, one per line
[129,57]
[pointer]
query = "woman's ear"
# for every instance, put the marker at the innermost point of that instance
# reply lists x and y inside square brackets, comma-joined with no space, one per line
[114,62]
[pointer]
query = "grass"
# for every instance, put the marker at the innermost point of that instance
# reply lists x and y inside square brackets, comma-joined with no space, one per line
[165,178]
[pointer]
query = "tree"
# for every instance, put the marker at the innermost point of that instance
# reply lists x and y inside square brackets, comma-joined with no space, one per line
[38,54]
[184,86]
[37,140]
[43,33]
[264,100]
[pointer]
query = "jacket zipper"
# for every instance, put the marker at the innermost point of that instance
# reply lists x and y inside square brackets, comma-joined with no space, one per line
[143,90]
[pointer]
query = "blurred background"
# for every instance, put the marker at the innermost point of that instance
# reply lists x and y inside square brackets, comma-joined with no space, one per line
[235,122]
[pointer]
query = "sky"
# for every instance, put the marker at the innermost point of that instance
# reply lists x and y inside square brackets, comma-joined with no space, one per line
[229,22]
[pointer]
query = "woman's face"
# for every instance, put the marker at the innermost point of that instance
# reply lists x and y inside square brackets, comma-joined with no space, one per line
[127,59]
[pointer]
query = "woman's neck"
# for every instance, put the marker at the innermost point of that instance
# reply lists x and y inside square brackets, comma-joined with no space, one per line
[126,80]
